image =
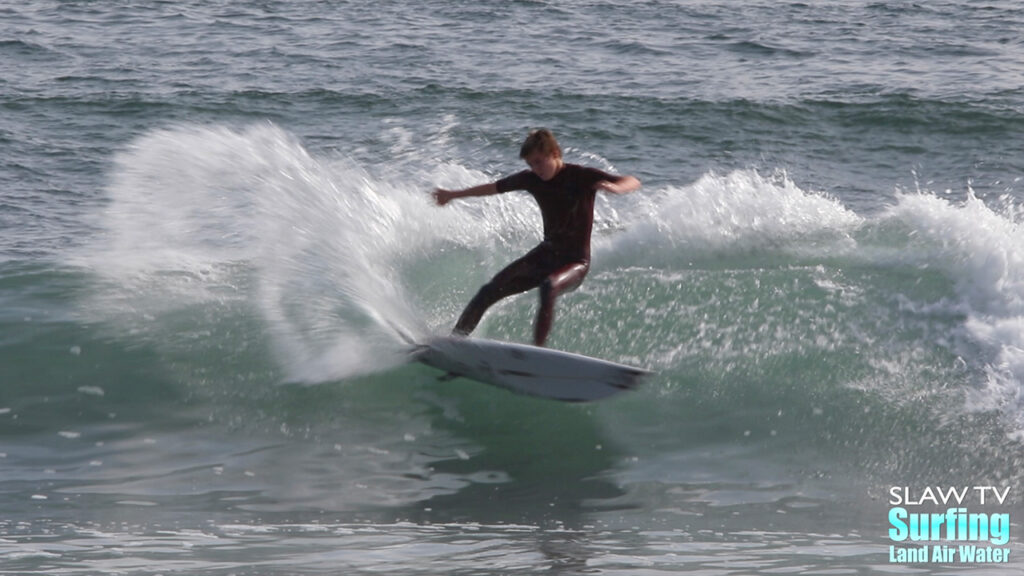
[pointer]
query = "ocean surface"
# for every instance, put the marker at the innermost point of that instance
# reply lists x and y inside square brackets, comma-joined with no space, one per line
[213,216]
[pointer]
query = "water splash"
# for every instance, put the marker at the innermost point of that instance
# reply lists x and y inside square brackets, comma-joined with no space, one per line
[211,215]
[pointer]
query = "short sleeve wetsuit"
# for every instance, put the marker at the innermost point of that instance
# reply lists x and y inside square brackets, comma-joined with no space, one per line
[561,261]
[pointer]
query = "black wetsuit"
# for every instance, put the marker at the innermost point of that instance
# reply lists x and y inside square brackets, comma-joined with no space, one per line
[561,261]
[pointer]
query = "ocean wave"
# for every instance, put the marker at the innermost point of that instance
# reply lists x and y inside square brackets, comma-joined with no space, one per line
[726,285]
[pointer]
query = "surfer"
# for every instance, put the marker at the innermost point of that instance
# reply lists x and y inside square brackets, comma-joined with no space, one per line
[565,193]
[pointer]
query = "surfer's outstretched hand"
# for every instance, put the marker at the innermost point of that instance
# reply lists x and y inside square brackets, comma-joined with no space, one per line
[442,196]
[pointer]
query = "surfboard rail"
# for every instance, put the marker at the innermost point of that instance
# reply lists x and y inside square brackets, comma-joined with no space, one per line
[529,370]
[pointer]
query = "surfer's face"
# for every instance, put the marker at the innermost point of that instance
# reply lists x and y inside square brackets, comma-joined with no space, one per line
[545,166]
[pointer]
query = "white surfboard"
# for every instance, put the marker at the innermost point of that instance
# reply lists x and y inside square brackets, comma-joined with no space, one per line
[528,369]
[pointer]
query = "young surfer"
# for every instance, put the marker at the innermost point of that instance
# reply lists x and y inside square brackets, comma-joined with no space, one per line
[565,193]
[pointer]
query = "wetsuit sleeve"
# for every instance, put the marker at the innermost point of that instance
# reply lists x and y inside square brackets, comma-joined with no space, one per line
[517,181]
[593,176]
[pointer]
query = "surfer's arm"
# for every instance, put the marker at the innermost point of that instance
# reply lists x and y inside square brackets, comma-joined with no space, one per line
[624,185]
[442,196]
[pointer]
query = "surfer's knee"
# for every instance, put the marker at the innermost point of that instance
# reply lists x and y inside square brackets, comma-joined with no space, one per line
[566,280]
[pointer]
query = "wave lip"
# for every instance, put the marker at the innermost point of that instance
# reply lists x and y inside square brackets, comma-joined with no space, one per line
[735,213]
